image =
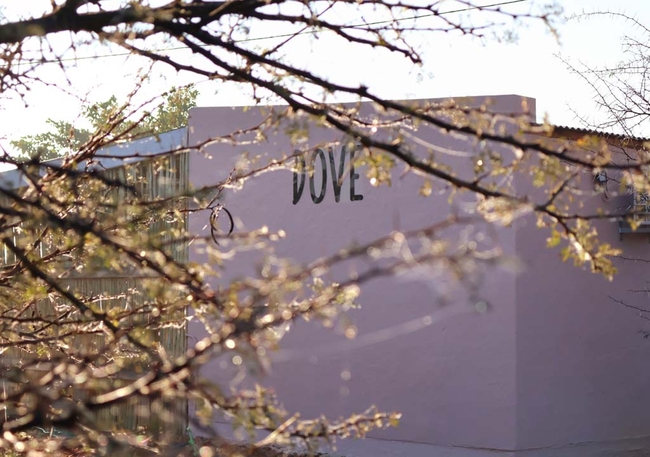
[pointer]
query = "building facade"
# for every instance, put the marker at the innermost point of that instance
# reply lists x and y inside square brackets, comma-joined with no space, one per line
[532,359]
[529,357]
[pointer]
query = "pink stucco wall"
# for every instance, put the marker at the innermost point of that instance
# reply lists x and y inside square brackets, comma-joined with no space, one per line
[581,370]
[553,362]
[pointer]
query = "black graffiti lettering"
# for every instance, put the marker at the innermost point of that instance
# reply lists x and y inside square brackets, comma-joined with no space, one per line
[354,197]
[337,178]
[323,188]
[298,175]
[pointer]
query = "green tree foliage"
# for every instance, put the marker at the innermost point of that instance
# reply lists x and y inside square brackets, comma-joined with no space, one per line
[65,138]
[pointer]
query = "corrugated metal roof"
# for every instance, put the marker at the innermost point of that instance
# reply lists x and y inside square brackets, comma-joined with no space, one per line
[577,131]
[123,153]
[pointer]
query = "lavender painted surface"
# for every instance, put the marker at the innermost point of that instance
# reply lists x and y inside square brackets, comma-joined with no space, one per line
[581,370]
[554,362]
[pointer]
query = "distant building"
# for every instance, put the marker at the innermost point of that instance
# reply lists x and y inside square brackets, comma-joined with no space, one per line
[541,361]
[555,367]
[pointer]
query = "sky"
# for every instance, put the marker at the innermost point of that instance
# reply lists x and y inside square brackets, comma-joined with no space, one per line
[453,66]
